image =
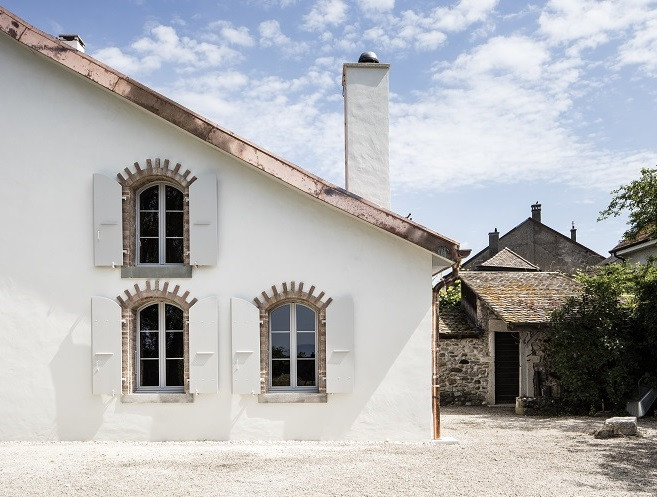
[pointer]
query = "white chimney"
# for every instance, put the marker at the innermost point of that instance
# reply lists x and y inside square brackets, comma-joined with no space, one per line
[365,88]
[73,41]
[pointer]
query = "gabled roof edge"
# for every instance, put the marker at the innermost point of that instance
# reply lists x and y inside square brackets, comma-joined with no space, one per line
[530,220]
[224,140]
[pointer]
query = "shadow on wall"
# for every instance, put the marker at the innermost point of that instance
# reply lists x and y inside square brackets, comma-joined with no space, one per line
[79,414]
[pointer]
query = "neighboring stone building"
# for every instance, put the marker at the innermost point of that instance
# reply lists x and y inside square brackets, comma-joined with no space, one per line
[492,348]
[494,351]
[216,292]
[540,245]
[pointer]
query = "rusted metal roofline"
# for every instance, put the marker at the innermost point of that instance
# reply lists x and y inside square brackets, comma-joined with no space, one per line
[225,140]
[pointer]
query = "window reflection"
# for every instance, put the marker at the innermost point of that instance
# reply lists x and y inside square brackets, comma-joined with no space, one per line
[293,347]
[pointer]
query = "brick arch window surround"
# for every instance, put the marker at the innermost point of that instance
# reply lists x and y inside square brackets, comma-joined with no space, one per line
[135,183]
[161,306]
[287,355]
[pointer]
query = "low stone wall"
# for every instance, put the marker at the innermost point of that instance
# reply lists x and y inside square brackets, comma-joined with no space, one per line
[464,366]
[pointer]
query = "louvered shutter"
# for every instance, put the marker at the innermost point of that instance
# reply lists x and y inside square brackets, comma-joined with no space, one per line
[204,346]
[340,346]
[108,231]
[203,221]
[105,346]
[245,321]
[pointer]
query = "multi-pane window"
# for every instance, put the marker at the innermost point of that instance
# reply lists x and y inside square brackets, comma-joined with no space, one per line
[160,225]
[293,347]
[160,348]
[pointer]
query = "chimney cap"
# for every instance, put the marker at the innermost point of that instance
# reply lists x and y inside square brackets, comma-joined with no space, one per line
[368,57]
[72,37]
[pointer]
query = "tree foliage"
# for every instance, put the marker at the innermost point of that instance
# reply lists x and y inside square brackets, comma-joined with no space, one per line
[639,198]
[605,341]
[450,297]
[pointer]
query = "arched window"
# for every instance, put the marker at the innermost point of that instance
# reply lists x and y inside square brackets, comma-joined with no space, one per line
[160,225]
[160,348]
[293,347]
[155,338]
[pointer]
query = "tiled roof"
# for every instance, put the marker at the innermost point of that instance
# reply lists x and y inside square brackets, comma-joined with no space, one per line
[453,321]
[521,297]
[644,236]
[508,259]
[222,139]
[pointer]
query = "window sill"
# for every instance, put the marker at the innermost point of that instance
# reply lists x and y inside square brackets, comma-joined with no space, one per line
[157,398]
[292,398]
[156,272]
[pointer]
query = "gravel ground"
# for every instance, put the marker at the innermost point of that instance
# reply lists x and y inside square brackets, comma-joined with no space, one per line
[499,454]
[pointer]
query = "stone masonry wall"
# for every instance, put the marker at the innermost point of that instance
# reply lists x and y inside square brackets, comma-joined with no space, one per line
[464,365]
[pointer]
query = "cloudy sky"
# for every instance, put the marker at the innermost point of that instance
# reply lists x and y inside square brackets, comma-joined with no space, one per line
[494,105]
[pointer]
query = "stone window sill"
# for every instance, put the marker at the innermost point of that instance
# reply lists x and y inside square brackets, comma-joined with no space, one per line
[157,398]
[292,398]
[168,272]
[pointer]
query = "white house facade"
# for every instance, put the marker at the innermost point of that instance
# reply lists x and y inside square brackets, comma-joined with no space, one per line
[163,279]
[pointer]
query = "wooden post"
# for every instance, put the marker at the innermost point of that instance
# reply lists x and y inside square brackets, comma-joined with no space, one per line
[435,365]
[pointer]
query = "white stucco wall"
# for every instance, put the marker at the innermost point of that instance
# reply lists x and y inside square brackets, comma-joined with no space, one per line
[57,130]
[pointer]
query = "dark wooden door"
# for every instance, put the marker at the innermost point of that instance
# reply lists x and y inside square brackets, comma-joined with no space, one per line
[506,367]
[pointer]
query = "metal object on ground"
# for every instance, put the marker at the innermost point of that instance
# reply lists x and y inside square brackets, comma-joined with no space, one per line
[640,407]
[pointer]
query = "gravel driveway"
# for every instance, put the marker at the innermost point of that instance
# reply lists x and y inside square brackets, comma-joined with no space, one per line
[499,454]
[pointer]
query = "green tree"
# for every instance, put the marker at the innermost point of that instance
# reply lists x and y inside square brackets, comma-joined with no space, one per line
[639,198]
[605,341]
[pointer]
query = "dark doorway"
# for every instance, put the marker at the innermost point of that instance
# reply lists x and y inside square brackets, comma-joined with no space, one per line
[507,377]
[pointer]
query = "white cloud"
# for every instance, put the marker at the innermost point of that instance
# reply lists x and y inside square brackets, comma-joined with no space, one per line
[427,30]
[515,56]
[233,35]
[590,23]
[271,35]
[641,49]
[430,40]
[325,13]
[461,16]
[114,57]
[504,118]
[164,46]
[376,5]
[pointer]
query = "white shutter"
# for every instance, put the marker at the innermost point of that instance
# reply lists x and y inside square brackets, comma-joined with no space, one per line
[203,221]
[105,346]
[340,346]
[108,231]
[204,346]
[245,320]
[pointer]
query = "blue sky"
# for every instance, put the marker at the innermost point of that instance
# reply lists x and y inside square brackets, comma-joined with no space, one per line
[494,105]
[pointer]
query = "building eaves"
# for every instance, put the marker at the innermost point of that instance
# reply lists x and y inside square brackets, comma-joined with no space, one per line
[222,139]
[637,240]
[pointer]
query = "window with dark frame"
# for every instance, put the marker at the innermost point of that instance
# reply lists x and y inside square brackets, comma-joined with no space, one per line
[160,348]
[160,225]
[293,348]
